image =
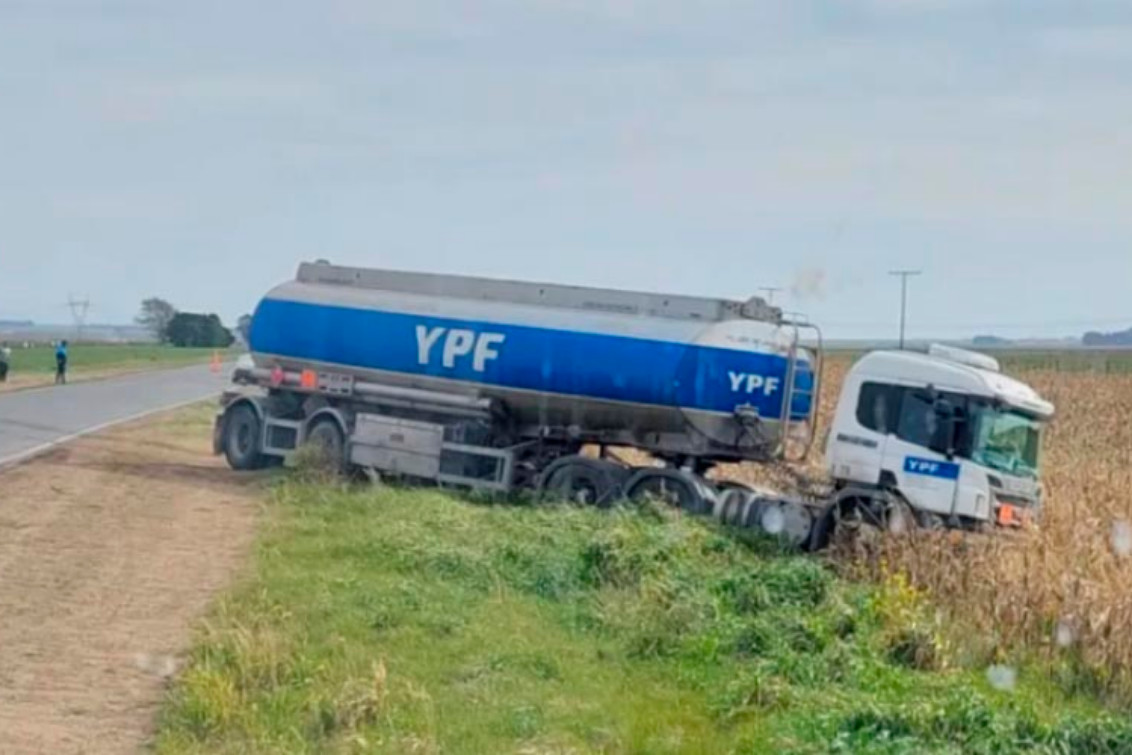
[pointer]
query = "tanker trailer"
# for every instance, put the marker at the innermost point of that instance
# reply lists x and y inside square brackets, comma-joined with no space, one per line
[500,385]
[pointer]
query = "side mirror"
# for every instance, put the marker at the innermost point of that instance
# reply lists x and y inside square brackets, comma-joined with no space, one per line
[928,395]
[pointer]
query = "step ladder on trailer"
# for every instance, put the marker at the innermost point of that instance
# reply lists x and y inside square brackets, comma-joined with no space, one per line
[813,393]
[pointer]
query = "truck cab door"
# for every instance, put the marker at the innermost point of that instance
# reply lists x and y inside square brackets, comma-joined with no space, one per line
[866,417]
[927,478]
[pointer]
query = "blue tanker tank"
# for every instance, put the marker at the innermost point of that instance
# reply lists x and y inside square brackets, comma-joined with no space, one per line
[705,377]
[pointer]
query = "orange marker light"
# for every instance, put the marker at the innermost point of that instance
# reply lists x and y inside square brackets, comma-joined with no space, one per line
[308,379]
[1007,516]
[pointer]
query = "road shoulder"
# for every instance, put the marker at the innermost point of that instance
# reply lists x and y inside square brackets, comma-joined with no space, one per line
[110,548]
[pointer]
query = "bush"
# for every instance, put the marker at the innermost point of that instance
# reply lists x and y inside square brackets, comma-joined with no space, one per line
[196,330]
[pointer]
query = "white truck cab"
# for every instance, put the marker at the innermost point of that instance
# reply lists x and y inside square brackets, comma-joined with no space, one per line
[945,431]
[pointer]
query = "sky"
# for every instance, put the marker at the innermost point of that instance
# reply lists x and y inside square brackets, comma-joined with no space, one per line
[198,151]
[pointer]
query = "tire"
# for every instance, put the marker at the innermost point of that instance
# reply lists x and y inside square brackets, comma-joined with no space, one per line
[672,486]
[930,522]
[751,516]
[899,518]
[732,499]
[242,434]
[822,532]
[730,504]
[884,515]
[581,480]
[325,434]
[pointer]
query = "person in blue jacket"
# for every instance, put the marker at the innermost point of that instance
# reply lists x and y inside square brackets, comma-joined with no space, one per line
[61,363]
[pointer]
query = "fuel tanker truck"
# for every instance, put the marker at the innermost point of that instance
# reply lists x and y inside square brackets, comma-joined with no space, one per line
[504,385]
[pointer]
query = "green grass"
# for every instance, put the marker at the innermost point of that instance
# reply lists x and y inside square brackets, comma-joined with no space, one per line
[95,357]
[411,621]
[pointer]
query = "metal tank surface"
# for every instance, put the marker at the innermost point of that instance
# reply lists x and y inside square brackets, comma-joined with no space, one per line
[706,378]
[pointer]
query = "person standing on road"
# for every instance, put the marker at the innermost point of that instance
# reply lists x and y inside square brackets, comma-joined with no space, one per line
[5,361]
[61,363]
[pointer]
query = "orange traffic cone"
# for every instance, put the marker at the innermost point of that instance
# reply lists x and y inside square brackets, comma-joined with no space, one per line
[215,365]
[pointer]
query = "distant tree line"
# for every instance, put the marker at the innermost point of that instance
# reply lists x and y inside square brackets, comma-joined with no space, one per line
[185,329]
[1119,338]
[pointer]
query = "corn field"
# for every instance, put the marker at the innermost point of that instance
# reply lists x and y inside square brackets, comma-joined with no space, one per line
[1060,592]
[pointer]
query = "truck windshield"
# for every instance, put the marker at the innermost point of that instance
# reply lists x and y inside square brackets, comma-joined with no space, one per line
[1005,439]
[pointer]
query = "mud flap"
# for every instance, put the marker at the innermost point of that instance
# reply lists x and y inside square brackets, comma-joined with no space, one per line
[218,433]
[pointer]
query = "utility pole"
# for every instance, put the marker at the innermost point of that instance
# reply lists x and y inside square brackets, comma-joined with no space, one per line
[79,309]
[770,290]
[904,276]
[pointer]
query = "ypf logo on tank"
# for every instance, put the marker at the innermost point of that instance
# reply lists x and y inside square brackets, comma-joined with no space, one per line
[459,344]
[752,383]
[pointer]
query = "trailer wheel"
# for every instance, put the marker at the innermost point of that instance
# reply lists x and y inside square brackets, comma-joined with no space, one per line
[242,434]
[578,479]
[326,436]
[672,486]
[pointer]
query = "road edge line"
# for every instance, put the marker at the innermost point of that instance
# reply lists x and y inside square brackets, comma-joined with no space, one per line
[31,453]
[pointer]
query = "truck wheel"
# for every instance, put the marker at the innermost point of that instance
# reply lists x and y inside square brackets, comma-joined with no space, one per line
[242,434]
[325,435]
[672,486]
[582,480]
[899,519]
[822,532]
[869,517]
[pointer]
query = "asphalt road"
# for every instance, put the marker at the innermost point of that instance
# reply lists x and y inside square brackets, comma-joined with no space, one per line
[34,420]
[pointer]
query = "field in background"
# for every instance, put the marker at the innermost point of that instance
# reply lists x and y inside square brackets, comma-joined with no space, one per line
[1100,360]
[414,621]
[1103,361]
[36,365]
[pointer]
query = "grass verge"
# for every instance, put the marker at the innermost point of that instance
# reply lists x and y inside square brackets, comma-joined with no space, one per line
[410,621]
[35,366]
[41,359]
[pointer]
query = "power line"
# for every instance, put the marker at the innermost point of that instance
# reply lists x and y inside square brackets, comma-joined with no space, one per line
[904,276]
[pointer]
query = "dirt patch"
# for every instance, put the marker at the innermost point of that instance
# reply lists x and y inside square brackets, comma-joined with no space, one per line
[110,547]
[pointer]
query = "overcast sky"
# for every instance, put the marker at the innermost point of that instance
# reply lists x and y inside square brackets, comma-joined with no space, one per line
[199,150]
